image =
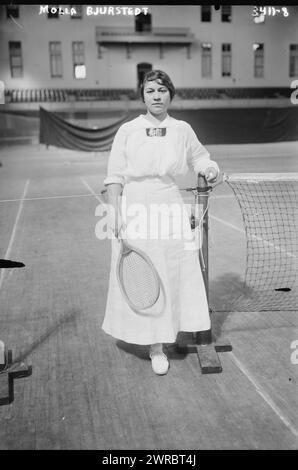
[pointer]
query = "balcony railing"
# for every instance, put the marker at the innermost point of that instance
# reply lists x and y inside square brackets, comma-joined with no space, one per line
[122,30]
[157,35]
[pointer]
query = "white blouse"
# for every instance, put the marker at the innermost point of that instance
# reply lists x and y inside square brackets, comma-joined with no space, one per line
[136,153]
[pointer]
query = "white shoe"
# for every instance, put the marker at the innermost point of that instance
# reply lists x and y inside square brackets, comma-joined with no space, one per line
[159,362]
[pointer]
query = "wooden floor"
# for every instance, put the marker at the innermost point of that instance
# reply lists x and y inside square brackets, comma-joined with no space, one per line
[90,391]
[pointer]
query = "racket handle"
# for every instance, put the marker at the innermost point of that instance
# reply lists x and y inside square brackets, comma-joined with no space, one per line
[202,260]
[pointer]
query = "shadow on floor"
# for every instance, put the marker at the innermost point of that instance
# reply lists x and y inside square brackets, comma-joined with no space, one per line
[6,263]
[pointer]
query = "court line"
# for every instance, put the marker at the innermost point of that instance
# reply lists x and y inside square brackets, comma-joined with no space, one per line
[277,248]
[83,195]
[100,199]
[22,137]
[255,155]
[238,363]
[47,197]
[264,395]
[228,224]
[12,237]
[223,196]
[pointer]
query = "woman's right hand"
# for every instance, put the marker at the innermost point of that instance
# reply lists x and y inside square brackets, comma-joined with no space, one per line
[114,198]
[115,221]
[118,225]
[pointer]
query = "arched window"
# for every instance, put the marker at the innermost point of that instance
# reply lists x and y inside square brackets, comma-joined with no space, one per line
[143,23]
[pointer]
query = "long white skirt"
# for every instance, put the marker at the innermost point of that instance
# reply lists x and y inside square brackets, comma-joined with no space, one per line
[182,305]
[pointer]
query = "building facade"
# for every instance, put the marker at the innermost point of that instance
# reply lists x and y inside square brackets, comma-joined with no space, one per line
[100,47]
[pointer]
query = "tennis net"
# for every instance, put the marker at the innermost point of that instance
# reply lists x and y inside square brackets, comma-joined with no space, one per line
[269,207]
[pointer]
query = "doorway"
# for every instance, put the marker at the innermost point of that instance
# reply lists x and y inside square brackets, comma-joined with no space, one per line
[142,69]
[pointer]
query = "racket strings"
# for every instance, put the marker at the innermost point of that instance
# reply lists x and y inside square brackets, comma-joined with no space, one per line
[139,280]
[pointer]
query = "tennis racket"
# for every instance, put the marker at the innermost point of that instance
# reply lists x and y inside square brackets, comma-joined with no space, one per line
[138,279]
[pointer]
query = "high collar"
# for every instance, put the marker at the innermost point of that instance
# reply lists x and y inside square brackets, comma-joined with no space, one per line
[160,124]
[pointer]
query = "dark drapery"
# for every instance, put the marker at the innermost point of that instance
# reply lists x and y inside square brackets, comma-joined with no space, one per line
[242,125]
[212,126]
[56,131]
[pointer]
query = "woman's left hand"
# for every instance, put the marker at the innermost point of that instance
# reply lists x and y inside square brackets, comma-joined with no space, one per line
[210,174]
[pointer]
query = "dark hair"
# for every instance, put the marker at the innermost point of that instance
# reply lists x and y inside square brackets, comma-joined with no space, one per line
[158,75]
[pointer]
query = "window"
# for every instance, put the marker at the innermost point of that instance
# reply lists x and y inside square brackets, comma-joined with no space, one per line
[143,23]
[226,60]
[258,60]
[12,11]
[206,59]
[226,13]
[142,69]
[79,11]
[259,19]
[293,60]
[206,13]
[55,59]
[53,11]
[78,59]
[15,56]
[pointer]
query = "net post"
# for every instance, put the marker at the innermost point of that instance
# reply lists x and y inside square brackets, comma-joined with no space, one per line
[201,202]
[203,345]
[202,342]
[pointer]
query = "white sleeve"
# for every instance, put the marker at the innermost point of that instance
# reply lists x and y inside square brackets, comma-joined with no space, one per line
[197,155]
[117,159]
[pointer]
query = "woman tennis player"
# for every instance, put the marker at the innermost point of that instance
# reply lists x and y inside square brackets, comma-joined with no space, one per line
[147,154]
